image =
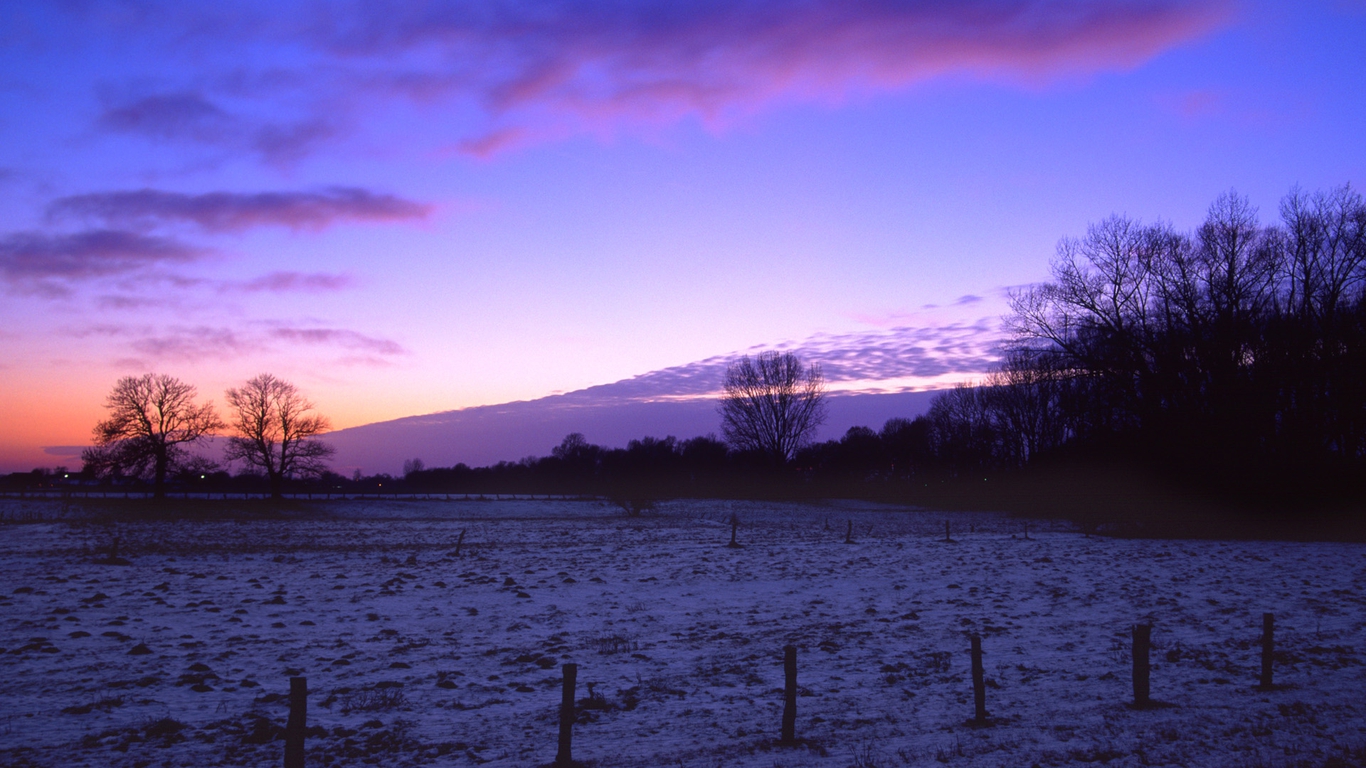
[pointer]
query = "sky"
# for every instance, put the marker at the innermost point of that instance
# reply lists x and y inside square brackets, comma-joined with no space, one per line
[408,208]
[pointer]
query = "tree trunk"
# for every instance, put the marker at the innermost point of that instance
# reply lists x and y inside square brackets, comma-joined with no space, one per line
[276,485]
[159,479]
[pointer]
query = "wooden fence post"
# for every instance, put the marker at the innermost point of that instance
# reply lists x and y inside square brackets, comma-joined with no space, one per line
[564,756]
[1268,648]
[459,541]
[1142,638]
[946,531]
[979,683]
[790,695]
[849,534]
[734,526]
[297,723]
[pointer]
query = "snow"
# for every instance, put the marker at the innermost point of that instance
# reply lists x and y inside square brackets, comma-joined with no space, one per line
[416,657]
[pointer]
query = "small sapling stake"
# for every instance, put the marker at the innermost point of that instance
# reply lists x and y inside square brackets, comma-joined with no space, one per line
[790,695]
[564,757]
[1142,637]
[734,526]
[297,722]
[1268,648]
[459,541]
[979,683]
[849,534]
[946,531]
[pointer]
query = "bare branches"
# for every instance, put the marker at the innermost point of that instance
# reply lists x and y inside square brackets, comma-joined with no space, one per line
[1240,342]
[772,405]
[275,430]
[1325,266]
[150,418]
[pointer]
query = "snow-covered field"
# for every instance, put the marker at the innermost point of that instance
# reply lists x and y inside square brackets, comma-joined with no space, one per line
[416,657]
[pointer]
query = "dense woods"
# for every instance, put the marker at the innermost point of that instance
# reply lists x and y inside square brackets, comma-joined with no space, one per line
[1230,358]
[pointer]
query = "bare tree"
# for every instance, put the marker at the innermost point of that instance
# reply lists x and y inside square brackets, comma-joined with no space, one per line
[151,418]
[1024,397]
[772,405]
[1325,267]
[275,431]
[965,433]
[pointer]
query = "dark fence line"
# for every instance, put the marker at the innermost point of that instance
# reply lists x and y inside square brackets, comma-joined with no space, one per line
[565,748]
[979,683]
[67,495]
[297,722]
[1142,667]
[295,727]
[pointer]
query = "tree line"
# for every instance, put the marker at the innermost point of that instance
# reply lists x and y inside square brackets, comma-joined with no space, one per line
[1228,359]
[154,420]
[771,406]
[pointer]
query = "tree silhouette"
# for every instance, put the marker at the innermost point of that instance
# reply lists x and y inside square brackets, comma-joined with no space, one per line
[275,431]
[151,418]
[1233,355]
[772,405]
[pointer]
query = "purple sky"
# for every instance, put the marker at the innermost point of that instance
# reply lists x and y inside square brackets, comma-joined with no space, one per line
[408,208]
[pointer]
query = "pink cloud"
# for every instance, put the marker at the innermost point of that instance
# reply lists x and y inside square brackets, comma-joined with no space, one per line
[234,212]
[197,343]
[202,342]
[543,69]
[906,352]
[495,142]
[339,337]
[310,282]
[126,303]
[47,263]
[540,71]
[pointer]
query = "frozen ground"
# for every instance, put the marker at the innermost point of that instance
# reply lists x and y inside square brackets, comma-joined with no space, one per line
[417,658]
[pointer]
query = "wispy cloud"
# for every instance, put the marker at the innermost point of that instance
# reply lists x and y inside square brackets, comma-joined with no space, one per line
[906,352]
[50,263]
[895,356]
[192,116]
[289,282]
[126,303]
[191,288]
[234,212]
[192,343]
[339,337]
[541,71]
[284,144]
[170,116]
[544,68]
